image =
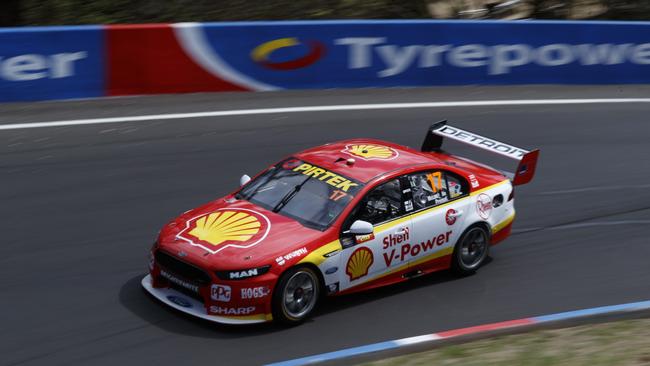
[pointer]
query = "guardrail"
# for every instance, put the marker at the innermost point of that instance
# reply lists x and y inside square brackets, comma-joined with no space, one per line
[84,62]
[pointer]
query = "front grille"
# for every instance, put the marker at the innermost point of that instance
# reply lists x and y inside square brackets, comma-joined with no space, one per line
[181,269]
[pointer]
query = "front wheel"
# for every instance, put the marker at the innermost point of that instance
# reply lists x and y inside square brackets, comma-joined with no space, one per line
[296,295]
[470,251]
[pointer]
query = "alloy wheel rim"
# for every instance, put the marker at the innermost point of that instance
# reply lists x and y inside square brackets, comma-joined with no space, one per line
[299,294]
[473,248]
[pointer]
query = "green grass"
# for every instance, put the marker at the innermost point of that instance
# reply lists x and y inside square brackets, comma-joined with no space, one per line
[624,342]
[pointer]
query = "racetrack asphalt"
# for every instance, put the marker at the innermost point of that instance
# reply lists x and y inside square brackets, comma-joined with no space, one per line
[81,205]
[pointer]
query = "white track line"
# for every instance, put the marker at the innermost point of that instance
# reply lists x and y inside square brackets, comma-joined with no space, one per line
[595,189]
[321,108]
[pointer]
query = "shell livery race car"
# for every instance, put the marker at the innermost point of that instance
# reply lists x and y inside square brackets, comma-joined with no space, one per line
[335,219]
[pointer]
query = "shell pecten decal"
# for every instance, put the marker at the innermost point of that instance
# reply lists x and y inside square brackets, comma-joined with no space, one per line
[225,228]
[370,152]
[359,263]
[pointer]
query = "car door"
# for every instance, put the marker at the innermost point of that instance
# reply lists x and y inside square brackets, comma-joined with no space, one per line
[367,257]
[441,202]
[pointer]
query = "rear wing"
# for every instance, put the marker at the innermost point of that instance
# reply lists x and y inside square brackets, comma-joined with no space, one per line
[527,159]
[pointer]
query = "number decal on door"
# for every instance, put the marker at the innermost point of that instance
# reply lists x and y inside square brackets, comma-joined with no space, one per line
[432,181]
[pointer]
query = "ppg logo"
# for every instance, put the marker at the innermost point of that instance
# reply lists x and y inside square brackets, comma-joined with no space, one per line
[220,293]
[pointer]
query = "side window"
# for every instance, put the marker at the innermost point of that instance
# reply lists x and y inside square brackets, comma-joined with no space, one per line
[434,188]
[457,186]
[381,204]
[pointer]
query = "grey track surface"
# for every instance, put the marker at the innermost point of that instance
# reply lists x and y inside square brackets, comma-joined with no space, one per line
[81,205]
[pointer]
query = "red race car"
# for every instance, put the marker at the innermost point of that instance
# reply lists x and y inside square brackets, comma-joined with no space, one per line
[339,218]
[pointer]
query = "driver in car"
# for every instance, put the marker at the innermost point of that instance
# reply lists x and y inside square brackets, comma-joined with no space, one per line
[382,204]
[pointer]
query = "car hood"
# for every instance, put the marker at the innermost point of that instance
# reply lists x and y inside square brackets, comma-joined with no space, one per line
[233,234]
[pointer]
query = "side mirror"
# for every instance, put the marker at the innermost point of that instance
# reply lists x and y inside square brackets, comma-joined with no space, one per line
[361,227]
[244,179]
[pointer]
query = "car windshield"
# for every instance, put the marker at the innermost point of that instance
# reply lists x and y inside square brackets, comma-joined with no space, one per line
[313,196]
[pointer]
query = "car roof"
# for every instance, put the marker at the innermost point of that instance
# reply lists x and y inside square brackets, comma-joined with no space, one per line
[372,158]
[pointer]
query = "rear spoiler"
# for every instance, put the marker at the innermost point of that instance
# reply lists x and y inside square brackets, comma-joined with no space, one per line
[527,159]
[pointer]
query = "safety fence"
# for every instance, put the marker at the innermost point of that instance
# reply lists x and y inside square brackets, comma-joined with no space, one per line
[94,61]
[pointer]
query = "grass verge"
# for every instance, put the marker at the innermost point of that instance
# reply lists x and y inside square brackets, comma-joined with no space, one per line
[625,342]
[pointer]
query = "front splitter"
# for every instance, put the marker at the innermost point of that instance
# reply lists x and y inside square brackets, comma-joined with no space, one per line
[188,305]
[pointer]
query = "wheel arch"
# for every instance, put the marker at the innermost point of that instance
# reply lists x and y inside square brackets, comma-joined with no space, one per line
[312,266]
[319,274]
[482,224]
[462,269]
[276,309]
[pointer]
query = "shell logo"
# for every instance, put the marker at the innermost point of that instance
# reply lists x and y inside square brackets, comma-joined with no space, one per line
[225,228]
[370,152]
[359,263]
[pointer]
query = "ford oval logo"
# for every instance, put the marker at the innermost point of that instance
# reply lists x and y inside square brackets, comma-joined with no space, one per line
[179,301]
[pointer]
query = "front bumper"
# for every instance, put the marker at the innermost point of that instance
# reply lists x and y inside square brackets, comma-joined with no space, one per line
[194,307]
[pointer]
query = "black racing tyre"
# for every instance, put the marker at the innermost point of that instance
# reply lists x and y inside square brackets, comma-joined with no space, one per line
[296,295]
[471,251]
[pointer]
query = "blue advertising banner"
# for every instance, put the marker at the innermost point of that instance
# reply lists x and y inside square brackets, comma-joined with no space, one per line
[83,62]
[51,63]
[335,54]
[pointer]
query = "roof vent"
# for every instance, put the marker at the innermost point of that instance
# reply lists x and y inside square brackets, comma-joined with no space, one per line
[350,161]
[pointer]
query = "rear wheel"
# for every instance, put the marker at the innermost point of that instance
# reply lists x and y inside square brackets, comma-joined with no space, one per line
[471,251]
[296,295]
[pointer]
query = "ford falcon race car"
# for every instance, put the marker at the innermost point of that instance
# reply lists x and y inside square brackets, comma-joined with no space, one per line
[335,219]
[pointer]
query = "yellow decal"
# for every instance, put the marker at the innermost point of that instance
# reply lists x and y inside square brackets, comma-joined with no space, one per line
[477,192]
[438,254]
[260,317]
[369,152]
[261,52]
[359,263]
[318,256]
[441,253]
[503,224]
[328,177]
[219,227]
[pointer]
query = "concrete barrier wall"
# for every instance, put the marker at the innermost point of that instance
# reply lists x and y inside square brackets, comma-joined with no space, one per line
[80,62]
